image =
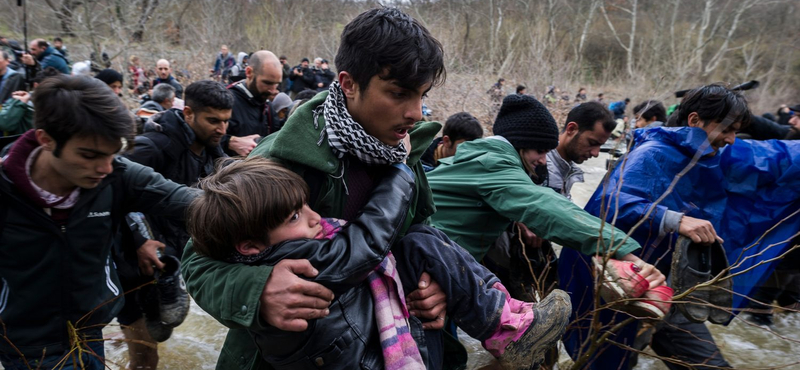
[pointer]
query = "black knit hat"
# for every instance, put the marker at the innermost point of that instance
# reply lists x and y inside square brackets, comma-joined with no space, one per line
[526,123]
[109,76]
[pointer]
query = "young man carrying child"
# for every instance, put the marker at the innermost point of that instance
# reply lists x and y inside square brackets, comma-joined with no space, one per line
[356,263]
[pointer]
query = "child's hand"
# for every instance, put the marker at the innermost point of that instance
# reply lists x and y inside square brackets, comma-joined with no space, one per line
[288,301]
[428,302]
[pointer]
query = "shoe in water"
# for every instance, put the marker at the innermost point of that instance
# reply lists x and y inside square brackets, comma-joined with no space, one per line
[760,319]
[721,294]
[550,319]
[655,305]
[172,296]
[147,298]
[691,265]
[621,280]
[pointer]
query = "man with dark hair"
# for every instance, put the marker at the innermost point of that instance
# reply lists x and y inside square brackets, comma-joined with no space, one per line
[340,142]
[588,126]
[182,146]
[302,78]
[287,71]
[252,117]
[64,192]
[649,114]
[111,78]
[45,56]
[717,182]
[10,80]
[164,75]
[162,99]
[521,90]
[458,128]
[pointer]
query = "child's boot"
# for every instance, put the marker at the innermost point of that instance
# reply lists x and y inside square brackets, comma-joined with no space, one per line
[528,330]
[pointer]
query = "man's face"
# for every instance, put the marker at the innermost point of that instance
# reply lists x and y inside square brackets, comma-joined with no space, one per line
[283,61]
[58,44]
[385,109]
[3,64]
[209,125]
[581,146]
[302,224]
[35,49]
[223,50]
[534,157]
[164,70]
[449,146]
[304,64]
[317,64]
[264,84]
[718,136]
[84,161]
[117,87]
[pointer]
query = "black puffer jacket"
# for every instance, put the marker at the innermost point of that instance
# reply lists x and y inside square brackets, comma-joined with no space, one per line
[249,116]
[53,273]
[348,337]
[165,147]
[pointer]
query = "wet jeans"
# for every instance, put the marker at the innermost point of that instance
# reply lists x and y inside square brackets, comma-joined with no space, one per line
[472,303]
[64,361]
[687,341]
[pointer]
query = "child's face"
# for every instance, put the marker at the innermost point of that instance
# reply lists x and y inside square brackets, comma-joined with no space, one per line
[302,224]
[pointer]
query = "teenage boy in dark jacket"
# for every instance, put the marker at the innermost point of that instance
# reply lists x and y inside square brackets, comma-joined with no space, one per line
[340,149]
[63,192]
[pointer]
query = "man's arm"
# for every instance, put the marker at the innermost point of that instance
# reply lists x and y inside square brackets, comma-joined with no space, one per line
[347,259]
[550,215]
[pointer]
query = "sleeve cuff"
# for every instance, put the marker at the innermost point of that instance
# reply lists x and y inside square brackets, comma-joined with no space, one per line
[671,222]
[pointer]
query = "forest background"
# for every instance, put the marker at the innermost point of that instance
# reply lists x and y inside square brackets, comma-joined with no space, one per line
[623,48]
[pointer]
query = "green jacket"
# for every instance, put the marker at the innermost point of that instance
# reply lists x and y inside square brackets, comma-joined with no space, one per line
[484,187]
[230,292]
[16,117]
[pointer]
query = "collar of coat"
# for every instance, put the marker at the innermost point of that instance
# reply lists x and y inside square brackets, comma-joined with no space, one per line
[297,140]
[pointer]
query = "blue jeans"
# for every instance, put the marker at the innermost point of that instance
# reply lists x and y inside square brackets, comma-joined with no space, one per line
[91,361]
[472,303]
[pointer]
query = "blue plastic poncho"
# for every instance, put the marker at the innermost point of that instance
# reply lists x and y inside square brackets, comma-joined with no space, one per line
[743,191]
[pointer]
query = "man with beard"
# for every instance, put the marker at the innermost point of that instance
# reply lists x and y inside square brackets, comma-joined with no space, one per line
[182,146]
[588,126]
[164,72]
[252,117]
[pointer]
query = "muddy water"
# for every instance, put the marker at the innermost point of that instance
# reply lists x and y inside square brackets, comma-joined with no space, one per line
[196,344]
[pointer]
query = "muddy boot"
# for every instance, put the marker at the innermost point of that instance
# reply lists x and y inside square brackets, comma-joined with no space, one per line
[172,296]
[528,345]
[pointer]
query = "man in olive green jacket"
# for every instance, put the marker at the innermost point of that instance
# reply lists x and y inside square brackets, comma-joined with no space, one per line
[487,185]
[339,142]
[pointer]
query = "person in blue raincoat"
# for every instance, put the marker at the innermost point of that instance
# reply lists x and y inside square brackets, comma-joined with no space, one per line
[737,190]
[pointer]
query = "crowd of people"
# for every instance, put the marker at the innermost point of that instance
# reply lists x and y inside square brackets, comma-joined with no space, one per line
[320,218]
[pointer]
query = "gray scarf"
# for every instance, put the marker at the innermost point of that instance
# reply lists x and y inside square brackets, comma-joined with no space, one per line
[346,136]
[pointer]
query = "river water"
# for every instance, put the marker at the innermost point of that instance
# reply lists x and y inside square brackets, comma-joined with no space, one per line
[196,343]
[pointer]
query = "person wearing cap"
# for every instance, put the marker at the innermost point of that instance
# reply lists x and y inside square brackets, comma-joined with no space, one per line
[302,78]
[488,183]
[112,78]
[281,105]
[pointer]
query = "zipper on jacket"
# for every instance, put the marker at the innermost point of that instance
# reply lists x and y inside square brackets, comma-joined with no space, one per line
[63,229]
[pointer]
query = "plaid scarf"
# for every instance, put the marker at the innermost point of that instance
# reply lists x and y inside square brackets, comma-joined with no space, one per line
[400,351]
[346,136]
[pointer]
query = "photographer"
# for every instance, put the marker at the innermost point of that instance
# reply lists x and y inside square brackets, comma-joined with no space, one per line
[45,56]
[10,80]
[302,78]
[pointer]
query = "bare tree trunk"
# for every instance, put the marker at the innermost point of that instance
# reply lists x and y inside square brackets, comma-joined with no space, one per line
[632,36]
[148,8]
[586,24]
[63,12]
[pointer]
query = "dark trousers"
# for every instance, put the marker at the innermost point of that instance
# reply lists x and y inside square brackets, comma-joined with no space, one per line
[472,303]
[686,341]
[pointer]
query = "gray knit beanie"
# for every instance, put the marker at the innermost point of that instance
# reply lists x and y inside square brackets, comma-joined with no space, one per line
[526,123]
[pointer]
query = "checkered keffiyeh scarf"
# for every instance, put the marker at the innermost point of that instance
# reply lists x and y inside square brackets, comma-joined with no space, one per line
[346,136]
